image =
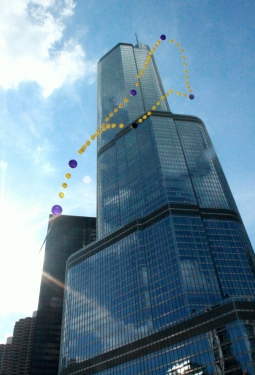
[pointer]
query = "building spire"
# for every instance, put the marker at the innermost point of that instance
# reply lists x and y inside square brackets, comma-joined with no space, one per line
[136,39]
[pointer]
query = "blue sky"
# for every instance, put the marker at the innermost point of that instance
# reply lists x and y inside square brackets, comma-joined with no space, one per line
[49,51]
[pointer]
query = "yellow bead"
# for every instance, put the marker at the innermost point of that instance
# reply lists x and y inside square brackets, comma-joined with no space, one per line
[163,97]
[190,90]
[61,195]
[177,44]
[64,185]
[149,113]
[183,57]
[186,77]
[115,110]
[108,126]
[138,76]
[140,120]
[120,105]
[182,50]
[154,49]
[99,131]
[167,93]
[113,126]
[144,117]
[107,119]
[92,137]
[178,93]
[121,126]
[142,71]
[126,100]
[88,143]
[111,115]
[148,57]
[147,61]
[150,53]
[137,83]
[159,41]
[184,95]
[186,71]
[158,103]
[185,64]
[171,91]
[104,129]
[83,147]
[188,87]
[171,41]
[68,175]
[187,83]
[80,152]
[153,107]
[145,66]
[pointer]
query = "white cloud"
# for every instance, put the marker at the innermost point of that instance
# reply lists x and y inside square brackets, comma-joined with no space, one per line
[32,45]
[3,165]
[69,9]
[41,155]
[87,180]
[47,168]
[20,249]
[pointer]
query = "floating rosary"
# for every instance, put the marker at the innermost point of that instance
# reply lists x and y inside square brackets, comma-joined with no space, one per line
[57,209]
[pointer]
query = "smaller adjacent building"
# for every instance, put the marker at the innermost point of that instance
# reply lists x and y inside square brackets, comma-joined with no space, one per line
[34,346]
[66,235]
[15,355]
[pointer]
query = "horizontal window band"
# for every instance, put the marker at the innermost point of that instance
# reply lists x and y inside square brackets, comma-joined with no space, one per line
[217,317]
[153,114]
[176,209]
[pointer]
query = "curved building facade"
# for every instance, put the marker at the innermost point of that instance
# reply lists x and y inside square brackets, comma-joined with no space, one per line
[168,287]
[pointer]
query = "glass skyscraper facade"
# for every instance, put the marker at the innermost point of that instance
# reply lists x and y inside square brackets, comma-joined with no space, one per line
[168,287]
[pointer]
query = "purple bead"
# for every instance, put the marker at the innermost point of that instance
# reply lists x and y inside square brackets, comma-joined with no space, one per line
[162,37]
[133,93]
[72,163]
[191,96]
[56,210]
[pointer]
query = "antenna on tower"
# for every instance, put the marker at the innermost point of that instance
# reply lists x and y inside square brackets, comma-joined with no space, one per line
[136,39]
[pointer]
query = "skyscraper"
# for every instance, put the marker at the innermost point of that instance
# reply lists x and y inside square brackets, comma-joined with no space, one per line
[168,288]
[67,234]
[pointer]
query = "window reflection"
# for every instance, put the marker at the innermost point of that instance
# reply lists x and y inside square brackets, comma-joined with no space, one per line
[187,367]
